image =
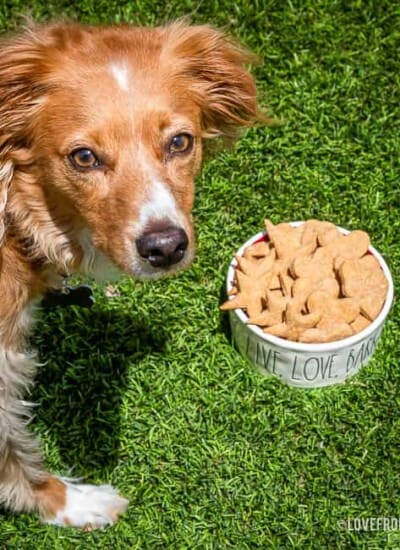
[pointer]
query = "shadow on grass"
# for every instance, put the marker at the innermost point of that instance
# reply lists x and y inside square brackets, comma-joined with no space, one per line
[224,323]
[90,355]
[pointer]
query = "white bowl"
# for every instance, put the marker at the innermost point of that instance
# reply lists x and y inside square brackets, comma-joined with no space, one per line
[306,365]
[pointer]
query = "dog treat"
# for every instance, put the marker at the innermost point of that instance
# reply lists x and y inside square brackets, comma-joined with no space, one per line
[364,279]
[309,283]
[304,287]
[249,296]
[257,250]
[359,323]
[344,309]
[266,318]
[326,331]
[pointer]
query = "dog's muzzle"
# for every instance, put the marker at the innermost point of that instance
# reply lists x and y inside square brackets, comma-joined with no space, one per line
[164,247]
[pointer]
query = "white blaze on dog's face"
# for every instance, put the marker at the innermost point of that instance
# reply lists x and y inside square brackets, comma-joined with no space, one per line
[120,160]
[121,75]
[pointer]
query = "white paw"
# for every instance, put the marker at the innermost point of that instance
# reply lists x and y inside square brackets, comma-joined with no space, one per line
[89,506]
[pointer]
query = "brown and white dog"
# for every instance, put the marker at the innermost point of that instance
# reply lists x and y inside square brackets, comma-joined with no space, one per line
[101,134]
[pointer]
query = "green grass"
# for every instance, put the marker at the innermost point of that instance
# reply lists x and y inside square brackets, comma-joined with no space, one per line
[147,392]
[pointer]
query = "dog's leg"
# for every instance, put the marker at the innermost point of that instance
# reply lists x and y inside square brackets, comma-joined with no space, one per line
[20,462]
[24,484]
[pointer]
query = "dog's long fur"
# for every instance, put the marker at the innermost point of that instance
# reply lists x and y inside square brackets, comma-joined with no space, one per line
[123,93]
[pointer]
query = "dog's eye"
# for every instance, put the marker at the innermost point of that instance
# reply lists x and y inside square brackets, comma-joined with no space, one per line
[84,159]
[180,144]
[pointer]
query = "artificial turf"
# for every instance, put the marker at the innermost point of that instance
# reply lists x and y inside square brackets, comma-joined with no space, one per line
[146,391]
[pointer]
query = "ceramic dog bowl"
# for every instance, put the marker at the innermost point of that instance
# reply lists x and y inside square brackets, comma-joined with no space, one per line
[306,365]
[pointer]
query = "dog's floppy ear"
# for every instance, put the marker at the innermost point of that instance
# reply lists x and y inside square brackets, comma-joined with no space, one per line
[21,95]
[216,69]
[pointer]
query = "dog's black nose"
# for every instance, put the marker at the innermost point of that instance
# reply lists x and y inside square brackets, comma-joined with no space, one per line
[163,248]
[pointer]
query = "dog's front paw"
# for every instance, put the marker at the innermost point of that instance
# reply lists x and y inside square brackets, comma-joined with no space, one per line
[88,506]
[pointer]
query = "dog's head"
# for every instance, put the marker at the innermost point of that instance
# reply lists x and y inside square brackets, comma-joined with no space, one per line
[101,133]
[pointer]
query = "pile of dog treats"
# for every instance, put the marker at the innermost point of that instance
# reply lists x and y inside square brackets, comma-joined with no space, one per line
[309,283]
